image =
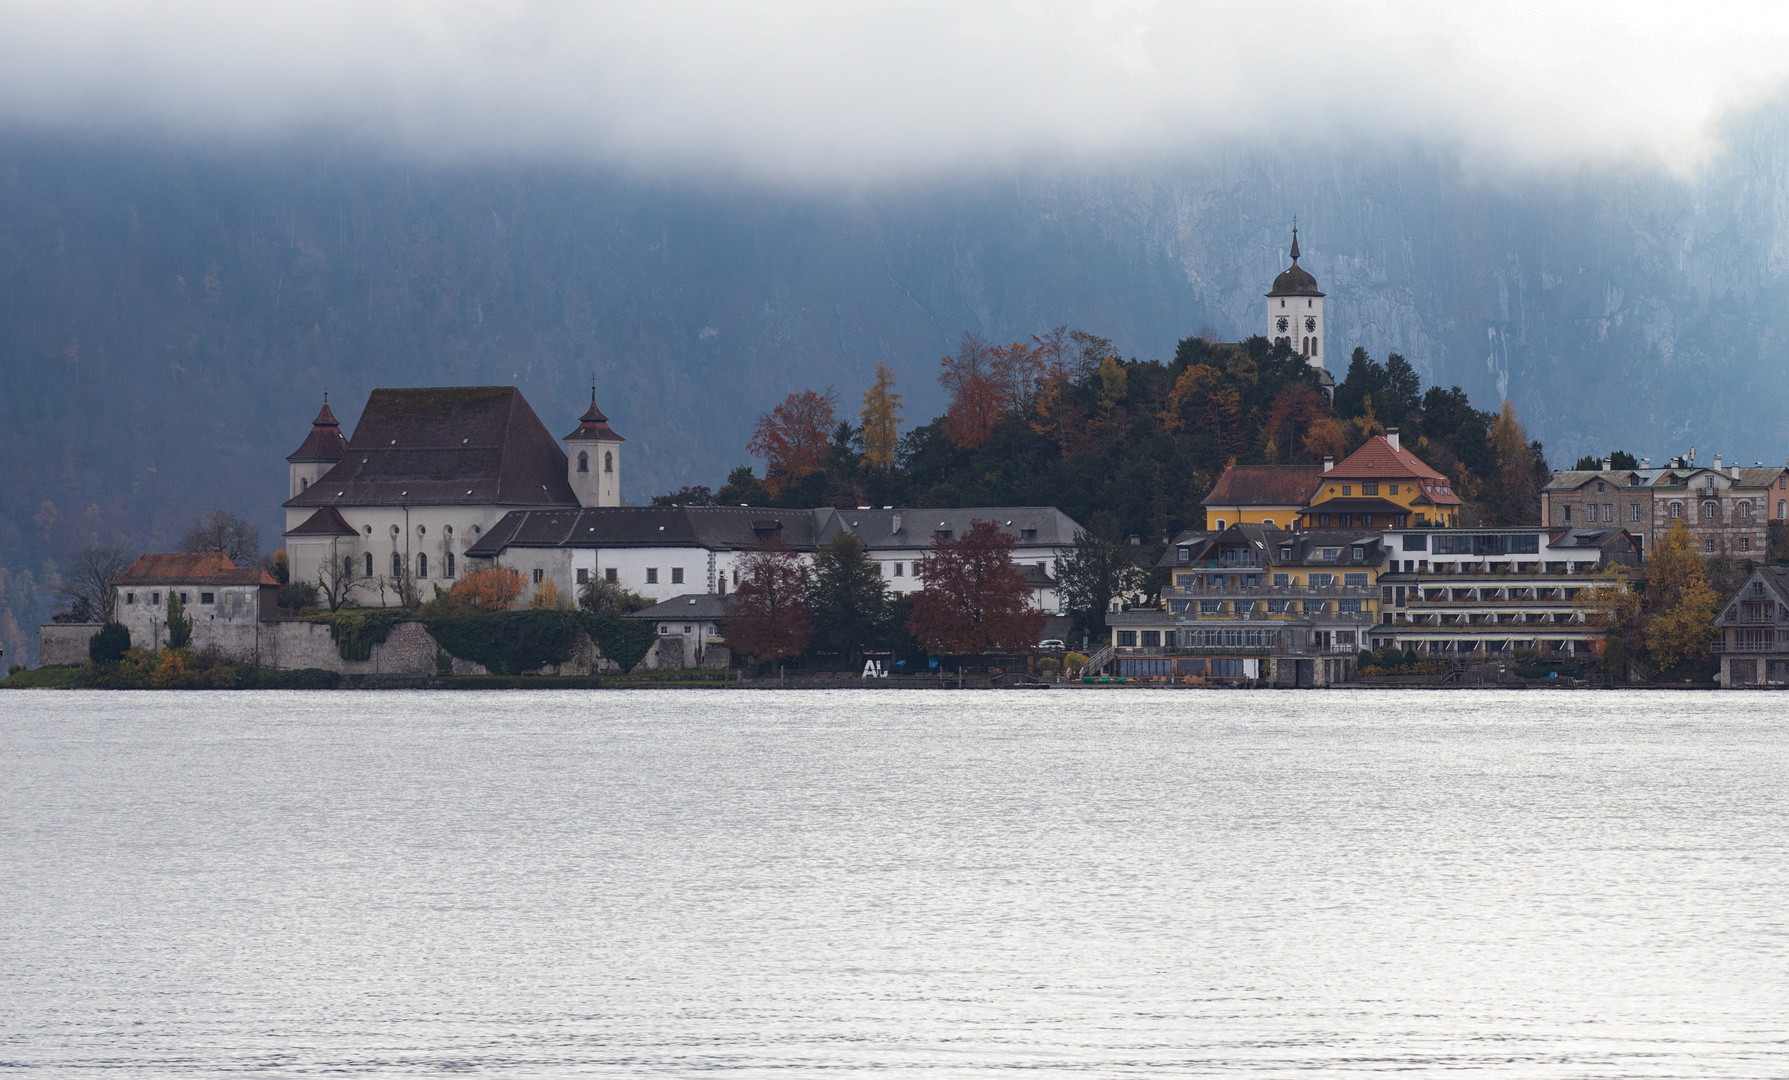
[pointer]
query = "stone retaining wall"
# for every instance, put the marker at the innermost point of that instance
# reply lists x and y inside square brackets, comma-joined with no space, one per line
[64,643]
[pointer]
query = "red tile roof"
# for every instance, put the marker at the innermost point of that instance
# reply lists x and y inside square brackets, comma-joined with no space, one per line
[1265,485]
[202,568]
[1377,460]
[324,443]
[592,426]
[325,522]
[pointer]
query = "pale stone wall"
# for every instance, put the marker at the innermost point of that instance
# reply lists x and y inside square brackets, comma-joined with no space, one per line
[64,643]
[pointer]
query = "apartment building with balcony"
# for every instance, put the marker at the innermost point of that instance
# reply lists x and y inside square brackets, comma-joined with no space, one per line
[1256,602]
[1480,594]
[1754,632]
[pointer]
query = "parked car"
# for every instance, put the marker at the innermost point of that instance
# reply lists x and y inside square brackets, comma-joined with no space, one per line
[1052,643]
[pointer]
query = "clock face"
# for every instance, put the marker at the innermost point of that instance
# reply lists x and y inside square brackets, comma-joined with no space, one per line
[1310,323]
[1283,324]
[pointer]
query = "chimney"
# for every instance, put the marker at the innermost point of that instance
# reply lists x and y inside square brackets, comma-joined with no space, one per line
[1328,463]
[894,524]
[1391,436]
[1646,463]
[1717,463]
[1735,472]
[1606,462]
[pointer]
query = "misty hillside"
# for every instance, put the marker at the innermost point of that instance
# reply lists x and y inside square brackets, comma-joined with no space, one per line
[170,317]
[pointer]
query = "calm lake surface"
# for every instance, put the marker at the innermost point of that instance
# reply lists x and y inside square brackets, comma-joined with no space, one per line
[1104,883]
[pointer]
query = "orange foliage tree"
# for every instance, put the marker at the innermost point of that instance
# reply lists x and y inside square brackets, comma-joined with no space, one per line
[979,400]
[1294,413]
[793,438]
[488,590]
[975,600]
[768,617]
[1205,400]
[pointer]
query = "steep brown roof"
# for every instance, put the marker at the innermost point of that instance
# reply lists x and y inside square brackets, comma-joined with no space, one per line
[593,426]
[446,446]
[1265,485]
[202,568]
[1377,460]
[324,443]
[325,522]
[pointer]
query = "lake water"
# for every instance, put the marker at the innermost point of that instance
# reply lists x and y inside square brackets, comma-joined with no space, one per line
[1098,883]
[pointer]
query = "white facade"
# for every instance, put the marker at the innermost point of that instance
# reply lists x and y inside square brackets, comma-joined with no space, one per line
[1298,321]
[428,542]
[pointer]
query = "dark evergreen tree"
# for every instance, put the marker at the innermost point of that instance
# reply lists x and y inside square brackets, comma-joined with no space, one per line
[109,645]
[847,599]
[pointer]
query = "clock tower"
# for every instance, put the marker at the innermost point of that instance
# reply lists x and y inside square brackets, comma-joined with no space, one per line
[1295,311]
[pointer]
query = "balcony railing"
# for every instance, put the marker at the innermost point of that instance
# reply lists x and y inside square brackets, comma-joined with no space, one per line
[1779,645]
[1289,592]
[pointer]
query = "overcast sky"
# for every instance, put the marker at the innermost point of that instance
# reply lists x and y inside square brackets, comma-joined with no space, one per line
[834,90]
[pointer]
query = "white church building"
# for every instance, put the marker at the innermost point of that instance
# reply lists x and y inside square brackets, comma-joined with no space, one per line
[437,480]
[427,473]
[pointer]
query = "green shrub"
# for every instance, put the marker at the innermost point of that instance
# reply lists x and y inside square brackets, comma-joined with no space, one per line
[1049,665]
[15,669]
[356,631]
[1364,659]
[297,594]
[43,678]
[109,645]
[180,624]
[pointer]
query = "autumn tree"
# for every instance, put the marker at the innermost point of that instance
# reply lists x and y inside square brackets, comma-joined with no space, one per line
[221,530]
[1290,418]
[1203,401]
[768,616]
[1680,604]
[1613,606]
[847,598]
[86,586]
[881,417]
[494,589]
[1512,494]
[975,600]
[794,438]
[1017,369]
[978,400]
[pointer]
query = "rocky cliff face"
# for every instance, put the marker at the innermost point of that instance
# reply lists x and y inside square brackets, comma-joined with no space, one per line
[170,317]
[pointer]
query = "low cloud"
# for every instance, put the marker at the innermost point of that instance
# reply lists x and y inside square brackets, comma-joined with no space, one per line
[809,91]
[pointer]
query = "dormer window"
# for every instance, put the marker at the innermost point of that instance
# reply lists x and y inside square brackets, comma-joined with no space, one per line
[1360,553]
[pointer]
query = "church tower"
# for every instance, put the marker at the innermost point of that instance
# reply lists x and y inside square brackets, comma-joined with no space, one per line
[322,448]
[593,459]
[1295,311]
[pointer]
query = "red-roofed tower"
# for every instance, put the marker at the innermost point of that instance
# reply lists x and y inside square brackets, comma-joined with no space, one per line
[321,449]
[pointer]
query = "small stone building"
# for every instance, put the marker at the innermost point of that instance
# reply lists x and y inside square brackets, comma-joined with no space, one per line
[225,602]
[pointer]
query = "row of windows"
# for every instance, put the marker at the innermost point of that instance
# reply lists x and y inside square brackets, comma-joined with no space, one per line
[155,598]
[1315,579]
[397,565]
[1200,639]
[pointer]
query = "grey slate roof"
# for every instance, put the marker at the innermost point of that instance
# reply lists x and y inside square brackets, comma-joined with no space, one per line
[715,527]
[691,606]
[445,446]
[878,528]
[722,528]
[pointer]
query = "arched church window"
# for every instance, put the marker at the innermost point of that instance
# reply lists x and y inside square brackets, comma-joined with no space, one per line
[583,461]
[1316,346]
[347,567]
[369,562]
[397,565]
[608,462]
[422,564]
[449,566]
[303,484]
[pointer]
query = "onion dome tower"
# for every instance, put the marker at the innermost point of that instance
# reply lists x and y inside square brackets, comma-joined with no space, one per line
[1295,310]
